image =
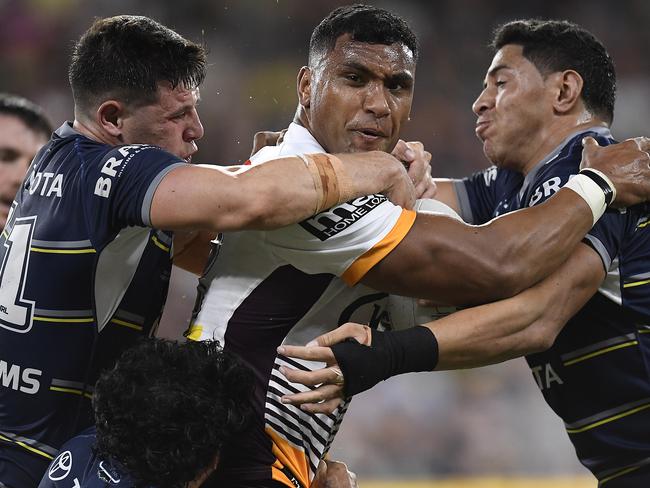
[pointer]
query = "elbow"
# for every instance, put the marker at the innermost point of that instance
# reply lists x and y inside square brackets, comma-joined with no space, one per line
[540,337]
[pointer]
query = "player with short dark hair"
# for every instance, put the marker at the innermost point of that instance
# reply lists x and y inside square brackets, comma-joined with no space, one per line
[87,250]
[162,416]
[288,285]
[532,117]
[24,128]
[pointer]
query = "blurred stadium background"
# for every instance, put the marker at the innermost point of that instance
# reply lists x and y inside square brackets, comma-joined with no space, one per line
[457,429]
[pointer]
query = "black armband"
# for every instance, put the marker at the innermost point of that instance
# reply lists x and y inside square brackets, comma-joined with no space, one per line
[391,353]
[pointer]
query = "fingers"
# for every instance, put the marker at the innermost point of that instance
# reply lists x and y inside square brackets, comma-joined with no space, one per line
[643,143]
[330,375]
[361,333]
[328,407]
[312,353]
[265,138]
[403,152]
[329,394]
[431,190]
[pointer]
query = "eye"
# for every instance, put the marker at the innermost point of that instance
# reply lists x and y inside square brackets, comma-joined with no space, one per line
[500,83]
[353,77]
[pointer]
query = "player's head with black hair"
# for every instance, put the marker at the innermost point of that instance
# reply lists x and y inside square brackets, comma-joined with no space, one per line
[358,88]
[166,409]
[135,81]
[364,23]
[127,56]
[27,112]
[558,45]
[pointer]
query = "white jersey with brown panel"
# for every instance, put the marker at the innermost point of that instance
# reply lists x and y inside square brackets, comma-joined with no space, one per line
[286,287]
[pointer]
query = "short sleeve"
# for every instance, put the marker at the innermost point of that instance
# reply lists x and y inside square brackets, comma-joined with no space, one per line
[477,196]
[347,240]
[119,187]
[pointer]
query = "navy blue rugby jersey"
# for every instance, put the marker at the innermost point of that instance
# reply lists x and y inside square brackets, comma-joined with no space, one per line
[78,466]
[82,276]
[596,376]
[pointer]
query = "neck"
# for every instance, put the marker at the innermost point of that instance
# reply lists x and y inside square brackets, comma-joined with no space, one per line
[92,131]
[552,137]
[301,118]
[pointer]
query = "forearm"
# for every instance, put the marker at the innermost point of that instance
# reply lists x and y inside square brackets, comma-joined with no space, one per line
[274,194]
[526,323]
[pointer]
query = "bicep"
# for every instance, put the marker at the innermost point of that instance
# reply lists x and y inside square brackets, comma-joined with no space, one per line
[446,193]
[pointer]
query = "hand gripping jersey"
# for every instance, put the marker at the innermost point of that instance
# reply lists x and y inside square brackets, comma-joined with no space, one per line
[597,374]
[77,466]
[81,277]
[287,287]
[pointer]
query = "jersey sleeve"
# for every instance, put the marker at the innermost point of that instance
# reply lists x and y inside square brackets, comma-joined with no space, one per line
[120,186]
[347,240]
[477,196]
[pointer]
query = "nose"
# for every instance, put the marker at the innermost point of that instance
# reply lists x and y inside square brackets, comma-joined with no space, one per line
[484,101]
[194,130]
[376,101]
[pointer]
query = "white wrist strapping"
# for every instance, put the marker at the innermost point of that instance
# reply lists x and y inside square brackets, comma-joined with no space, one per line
[590,192]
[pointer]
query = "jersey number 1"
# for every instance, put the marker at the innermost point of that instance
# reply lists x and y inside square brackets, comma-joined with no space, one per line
[16,313]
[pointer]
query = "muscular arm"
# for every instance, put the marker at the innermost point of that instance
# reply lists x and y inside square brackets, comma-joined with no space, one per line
[446,194]
[454,263]
[267,196]
[526,323]
[191,250]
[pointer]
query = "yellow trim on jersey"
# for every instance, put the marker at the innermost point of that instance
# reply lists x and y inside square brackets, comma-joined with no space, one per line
[71,390]
[72,321]
[644,331]
[62,251]
[159,244]
[644,224]
[608,420]
[28,447]
[602,351]
[636,283]
[616,475]
[379,251]
[127,324]
[5,234]
[294,459]
[194,333]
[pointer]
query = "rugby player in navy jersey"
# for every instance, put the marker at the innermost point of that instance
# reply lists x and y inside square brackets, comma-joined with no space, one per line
[550,85]
[287,285]
[162,415]
[86,253]
[24,128]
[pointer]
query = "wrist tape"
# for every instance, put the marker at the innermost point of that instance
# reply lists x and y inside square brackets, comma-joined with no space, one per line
[331,182]
[595,189]
[391,353]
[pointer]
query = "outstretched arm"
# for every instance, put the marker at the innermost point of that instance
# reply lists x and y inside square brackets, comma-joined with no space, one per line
[526,323]
[274,194]
[446,260]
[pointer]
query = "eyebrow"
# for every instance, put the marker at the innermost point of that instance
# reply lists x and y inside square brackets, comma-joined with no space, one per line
[493,72]
[402,78]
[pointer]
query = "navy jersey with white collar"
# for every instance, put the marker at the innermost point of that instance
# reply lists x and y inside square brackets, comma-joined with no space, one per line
[596,376]
[82,275]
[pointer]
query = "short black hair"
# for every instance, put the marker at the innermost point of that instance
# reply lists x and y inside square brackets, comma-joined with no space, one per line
[167,408]
[27,112]
[125,57]
[558,45]
[365,23]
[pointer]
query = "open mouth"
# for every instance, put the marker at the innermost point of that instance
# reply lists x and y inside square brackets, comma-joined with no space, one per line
[369,133]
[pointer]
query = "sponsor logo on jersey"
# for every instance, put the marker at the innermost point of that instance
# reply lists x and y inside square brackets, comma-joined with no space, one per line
[24,380]
[329,223]
[108,474]
[112,166]
[60,467]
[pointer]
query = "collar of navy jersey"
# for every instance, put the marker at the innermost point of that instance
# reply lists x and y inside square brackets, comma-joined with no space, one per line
[530,177]
[66,130]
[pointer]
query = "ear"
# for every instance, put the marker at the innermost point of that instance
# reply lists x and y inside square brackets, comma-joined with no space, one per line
[569,91]
[110,117]
[304,86]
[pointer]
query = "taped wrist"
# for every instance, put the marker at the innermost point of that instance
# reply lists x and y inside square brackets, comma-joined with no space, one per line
[595,189]
[391,353]
[331,182]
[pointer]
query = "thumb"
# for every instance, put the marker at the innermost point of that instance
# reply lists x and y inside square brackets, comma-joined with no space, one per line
[361,333]
[589,143]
